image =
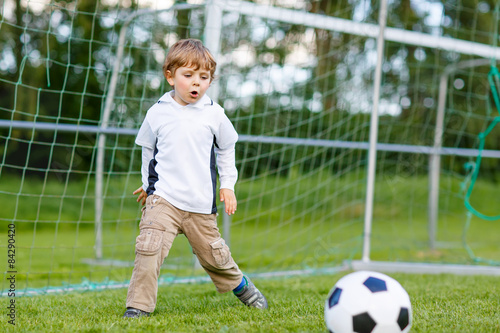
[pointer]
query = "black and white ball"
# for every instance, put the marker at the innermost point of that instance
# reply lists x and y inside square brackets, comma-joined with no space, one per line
[368,302]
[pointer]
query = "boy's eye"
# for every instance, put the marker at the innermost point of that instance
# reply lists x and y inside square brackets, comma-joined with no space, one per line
[187,75]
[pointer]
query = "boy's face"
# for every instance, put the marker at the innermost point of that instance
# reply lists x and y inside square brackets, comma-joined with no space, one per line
[190,85]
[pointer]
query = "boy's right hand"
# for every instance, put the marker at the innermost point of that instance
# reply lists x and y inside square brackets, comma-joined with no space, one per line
[142,195]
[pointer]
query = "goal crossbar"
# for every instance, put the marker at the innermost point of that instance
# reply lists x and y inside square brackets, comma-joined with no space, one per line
[388,147]
[422,268]
[319,21]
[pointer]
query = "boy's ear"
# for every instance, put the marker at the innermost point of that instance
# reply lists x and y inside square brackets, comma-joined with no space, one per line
[169,77]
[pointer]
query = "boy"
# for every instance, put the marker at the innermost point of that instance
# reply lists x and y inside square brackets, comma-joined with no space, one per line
[180,137]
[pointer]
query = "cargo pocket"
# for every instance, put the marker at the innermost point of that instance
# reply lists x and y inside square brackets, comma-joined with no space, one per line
[150,239]
[220,252]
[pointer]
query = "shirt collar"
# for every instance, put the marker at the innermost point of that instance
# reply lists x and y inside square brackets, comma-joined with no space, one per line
[200,104]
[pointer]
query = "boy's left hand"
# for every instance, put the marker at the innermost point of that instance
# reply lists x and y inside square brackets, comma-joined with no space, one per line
[142,195]
[229,199]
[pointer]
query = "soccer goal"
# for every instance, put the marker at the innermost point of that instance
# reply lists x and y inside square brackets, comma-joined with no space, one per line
[368,135]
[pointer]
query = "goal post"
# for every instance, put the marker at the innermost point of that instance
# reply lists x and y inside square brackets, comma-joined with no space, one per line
[374,119]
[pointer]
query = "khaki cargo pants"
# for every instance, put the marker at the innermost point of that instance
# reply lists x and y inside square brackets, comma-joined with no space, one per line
[160,224]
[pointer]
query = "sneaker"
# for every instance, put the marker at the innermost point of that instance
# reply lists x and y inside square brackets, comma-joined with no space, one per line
[135,313]
[251,296]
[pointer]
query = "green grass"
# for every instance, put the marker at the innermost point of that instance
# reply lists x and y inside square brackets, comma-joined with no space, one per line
[441,303]
[310,221]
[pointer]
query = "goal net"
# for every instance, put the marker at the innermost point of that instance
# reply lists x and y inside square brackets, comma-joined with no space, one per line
[297,81]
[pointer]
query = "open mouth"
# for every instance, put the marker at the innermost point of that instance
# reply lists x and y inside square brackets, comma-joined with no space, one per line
[194,94]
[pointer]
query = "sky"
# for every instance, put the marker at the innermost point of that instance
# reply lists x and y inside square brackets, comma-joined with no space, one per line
[37,5]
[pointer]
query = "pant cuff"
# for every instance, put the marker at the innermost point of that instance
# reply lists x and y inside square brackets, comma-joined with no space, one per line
[140,307]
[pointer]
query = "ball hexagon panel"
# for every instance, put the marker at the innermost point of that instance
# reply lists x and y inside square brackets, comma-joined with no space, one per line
[384,308]
[338,326]
[354,298]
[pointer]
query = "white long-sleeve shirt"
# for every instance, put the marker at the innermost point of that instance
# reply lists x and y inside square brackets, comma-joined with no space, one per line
[181,146]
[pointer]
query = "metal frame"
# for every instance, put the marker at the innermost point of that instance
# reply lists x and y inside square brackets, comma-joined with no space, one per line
[392,147]
[372,151]
[435,156]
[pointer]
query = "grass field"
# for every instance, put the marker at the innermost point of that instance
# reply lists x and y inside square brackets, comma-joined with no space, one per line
[441,303]
[283,223]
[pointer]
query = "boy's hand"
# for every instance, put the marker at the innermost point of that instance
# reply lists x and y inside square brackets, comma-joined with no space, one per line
[142,195]
[229,199]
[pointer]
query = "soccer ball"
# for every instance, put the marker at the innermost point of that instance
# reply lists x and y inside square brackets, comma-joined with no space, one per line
[368,302]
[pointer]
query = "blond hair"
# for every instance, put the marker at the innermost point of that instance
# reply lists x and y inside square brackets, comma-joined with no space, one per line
[189,53]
